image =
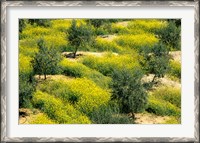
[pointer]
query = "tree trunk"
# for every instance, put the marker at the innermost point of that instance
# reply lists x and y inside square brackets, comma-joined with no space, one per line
[45,76]
[133,116]
[75,53]
[153,79]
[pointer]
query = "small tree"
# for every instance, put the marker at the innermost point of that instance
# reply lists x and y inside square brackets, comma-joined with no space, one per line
[79,36]
[46,60]
[129,91]
[155,60]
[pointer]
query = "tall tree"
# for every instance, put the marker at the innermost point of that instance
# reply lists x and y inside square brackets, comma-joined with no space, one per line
[46,60]
[79,36]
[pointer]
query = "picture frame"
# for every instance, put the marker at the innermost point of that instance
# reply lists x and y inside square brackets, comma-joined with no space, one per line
[94,4]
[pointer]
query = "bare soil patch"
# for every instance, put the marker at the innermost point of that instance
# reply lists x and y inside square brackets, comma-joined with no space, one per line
[25,115]
[53,77]
[83,53]
[176,55]
[147,118]
[123,23]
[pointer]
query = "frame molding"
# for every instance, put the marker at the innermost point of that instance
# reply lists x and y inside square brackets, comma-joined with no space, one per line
[5,4]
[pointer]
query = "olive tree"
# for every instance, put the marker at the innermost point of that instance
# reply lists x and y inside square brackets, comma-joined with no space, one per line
[128,91]
[170,35]
[79,36]
[46,60]
[155,60]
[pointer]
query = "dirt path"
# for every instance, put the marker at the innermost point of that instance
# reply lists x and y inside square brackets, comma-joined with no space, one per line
[147,118]
[83,53]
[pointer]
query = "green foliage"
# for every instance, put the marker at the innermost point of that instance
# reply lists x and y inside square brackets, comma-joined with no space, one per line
[46,60]
[102,44]
[173,120]
[128,90]
[97,22]
[40,22]
[83,93]
[119,29]
[107,64]
[169,94]
[175,69]
[35,32]
[28,47]
[79,36]
[145,26]
[42,119]
[61,24]
[155,60]
[57,110]
[170,35]
[136,41]
[79,70]
[22,25]
[107,114]
[26,82]
[163,108]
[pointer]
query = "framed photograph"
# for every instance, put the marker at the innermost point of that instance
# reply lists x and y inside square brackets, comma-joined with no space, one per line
[100,71]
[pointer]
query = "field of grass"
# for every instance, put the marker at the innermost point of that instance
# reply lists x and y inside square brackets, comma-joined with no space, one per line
[97,72]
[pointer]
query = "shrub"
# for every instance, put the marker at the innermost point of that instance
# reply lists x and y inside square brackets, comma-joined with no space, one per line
[161,107]
[175,69]
[41,119]
[170,35]
[40,22]
[107,114]
[22,25]
[26,82]
[56,110]
[170,94]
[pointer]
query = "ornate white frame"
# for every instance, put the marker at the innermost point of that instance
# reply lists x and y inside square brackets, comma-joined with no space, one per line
[5,4]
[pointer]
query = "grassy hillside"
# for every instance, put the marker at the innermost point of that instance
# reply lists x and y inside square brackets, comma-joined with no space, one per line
[99,71]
